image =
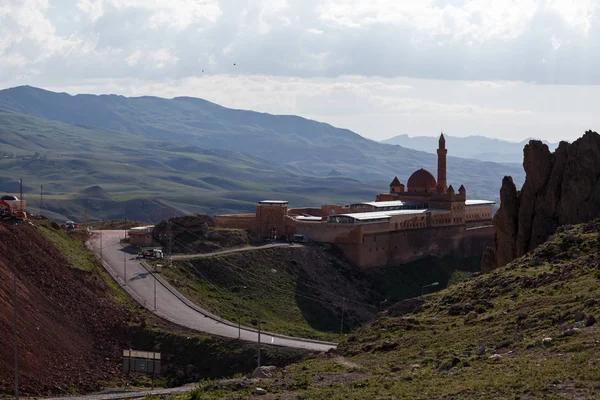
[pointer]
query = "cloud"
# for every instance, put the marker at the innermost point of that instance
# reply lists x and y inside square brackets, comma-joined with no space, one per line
[133,58]
[480,40]
[378,66]
[163,58]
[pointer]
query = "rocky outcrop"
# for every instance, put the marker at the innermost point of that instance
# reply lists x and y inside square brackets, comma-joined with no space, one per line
[560,188]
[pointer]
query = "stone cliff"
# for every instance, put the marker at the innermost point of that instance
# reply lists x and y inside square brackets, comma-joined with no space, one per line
[560,188]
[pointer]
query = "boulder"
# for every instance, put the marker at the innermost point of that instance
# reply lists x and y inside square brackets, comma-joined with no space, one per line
[591,320]
[406,306]
[480,350]
[580,316]
[471,316]
[260,391]
[265,372]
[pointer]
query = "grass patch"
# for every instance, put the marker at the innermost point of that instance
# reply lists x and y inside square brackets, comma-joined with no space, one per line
[527,330]
[73,250]
[240,300]
[79,257]
[300,290]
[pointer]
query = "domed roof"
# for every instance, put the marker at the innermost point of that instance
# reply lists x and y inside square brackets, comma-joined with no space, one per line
[421,180]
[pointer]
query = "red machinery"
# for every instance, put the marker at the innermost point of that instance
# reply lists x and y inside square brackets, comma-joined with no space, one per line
[7,214]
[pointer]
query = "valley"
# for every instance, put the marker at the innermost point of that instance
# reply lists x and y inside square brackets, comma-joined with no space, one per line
[149,158]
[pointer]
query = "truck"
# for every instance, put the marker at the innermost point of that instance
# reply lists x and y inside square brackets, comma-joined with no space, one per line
[150,252]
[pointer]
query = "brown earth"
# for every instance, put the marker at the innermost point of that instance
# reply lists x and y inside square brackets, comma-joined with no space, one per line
[68,326]
[72,326]
[560,188]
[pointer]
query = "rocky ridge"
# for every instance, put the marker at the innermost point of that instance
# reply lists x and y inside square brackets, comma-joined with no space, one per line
[560,188]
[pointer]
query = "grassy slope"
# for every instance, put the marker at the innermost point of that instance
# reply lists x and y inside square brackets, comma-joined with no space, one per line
[431,353]
[79,257]
[300,290]
[129,166]
[294,144]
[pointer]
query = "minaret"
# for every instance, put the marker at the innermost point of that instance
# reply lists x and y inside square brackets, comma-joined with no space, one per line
[442,184]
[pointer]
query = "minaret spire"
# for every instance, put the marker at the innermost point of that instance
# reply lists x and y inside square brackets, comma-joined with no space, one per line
[442,184]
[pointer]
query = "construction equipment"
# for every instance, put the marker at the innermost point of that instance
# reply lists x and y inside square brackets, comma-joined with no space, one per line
[10,216]
[150,252]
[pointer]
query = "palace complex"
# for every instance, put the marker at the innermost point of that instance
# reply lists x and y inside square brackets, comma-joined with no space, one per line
[424,217]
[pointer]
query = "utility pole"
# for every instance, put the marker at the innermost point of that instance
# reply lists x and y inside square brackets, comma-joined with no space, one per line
[16,339]
[125,267]
[170,260]
[101,242]
[259,331]
[85,218]
[21,194]
[342,323]
[154,289]
[41,198]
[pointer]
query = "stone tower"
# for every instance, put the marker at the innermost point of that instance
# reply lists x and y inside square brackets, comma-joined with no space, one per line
[442,185]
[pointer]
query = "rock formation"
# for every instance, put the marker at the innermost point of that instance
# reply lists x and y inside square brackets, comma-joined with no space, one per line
[560,188]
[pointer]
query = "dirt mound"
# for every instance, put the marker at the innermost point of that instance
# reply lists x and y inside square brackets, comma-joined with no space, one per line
[68,326]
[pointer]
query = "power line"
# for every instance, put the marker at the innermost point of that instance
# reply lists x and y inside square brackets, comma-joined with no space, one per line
[344,299]
[260,281]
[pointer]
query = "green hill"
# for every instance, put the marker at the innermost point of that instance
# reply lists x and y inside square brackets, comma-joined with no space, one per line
[528,331]
[143,178]
[251,146]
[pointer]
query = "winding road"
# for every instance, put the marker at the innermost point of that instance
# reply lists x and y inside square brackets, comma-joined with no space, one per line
[158,296]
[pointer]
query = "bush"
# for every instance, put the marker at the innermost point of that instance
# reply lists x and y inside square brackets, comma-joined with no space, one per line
[196,394]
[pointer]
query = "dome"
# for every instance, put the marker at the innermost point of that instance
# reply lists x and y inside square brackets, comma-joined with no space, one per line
[8,197]
[421,181]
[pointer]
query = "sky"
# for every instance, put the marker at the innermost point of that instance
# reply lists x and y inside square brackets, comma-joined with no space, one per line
[498,68]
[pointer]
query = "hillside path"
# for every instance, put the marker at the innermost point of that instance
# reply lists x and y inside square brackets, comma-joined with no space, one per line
[236,250]
[158,296]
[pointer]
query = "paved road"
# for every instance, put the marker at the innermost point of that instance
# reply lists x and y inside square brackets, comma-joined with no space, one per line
[127,394]
[236,250]
[170,304]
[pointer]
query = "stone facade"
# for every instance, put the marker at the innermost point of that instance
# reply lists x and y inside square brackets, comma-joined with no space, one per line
[237,221]
[429,218]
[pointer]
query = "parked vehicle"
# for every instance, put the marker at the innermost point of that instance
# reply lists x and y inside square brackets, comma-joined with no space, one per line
[151,252]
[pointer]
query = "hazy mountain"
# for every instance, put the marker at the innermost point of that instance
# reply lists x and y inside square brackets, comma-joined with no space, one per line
[476,147]
[200,154]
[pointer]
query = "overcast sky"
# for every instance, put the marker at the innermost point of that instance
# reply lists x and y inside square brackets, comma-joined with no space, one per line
[499,68]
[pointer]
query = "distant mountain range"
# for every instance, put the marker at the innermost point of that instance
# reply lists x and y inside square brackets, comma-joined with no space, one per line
[475,147]
[190,155]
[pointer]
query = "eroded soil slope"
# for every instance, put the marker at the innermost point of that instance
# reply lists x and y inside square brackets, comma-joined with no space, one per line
[68,325]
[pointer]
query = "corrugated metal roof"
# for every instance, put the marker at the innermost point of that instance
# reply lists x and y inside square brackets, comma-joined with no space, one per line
[303,218]
[394,203]
[274,202]
[367,216]
[479,202]
[141,228]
